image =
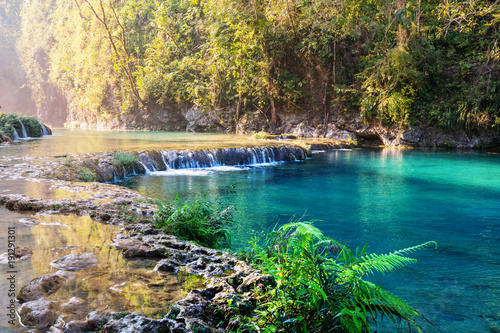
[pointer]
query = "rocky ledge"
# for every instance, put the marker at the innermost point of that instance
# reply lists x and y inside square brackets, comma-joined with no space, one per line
[230,289]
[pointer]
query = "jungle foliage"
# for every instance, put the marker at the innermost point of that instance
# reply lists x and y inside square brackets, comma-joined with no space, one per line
[396,62]
[321,285]
[199,220]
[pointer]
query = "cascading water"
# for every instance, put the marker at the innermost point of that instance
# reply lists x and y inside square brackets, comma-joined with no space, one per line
[210,158]
[153,161]
[15,135]
[44,129]
[24,133]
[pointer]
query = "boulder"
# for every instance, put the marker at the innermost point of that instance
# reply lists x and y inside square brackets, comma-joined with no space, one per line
[44,286]
[41,313]
[75,261]
[20,253]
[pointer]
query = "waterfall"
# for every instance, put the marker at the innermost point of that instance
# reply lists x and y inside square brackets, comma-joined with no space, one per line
[152,161]
[44,130]
[25,135]
[15,135]
[148,170]
[208,158]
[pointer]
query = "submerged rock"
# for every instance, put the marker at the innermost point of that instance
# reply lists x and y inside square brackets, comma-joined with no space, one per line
[134,323]
[20,253]
[44,286]
[92,323]
[41,313]
[73,302]
[75,261]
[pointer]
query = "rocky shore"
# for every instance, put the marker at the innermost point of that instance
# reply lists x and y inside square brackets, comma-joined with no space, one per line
[230,283]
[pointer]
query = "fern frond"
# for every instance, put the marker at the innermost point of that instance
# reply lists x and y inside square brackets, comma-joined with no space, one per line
[304,229]
[382,263]
[415,248]
[378,300]
[389,262]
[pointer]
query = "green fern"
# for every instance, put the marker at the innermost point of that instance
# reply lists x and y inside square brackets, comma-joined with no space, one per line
[320,284]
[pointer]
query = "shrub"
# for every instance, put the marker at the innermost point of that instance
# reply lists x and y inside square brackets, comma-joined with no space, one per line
[201,221]
[33,126]
[125,159]
[86,175]
[352,140]
[320,285]
[260,135]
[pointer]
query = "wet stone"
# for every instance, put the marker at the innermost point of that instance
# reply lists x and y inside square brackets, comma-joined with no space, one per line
[20,253]
[165,266]
[75,261]
[41,313]
[134,323]
[44,286]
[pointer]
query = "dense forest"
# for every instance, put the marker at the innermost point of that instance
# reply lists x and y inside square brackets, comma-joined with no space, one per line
[253,63]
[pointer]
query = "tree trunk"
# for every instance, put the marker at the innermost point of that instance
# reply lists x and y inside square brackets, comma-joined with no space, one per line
[402,30]
[274,118]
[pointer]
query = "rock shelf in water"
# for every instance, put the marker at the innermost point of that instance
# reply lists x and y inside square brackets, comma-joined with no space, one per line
[226,277]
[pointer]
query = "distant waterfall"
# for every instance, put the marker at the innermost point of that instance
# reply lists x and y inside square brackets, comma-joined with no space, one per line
[44,130]
[25,135]
[15,135]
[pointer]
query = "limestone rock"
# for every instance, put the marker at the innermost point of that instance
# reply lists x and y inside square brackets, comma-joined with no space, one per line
[41,313]
[20,253]
[134,323]
[256,280]
[44,286]
[75,261]
[92,322]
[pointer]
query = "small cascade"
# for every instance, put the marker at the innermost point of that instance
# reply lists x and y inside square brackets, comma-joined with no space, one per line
[15,135]
[152,161]
[148,170]
[25,134]
[44,129]
[208,158]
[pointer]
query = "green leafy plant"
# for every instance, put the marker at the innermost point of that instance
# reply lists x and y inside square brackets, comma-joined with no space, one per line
[86,175]
[352,140]
[320,283]
[262,135]
[200,220]
[125,159]
[120,315]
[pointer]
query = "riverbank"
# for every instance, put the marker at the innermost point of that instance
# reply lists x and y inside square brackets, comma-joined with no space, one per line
[224,276]
[226,281]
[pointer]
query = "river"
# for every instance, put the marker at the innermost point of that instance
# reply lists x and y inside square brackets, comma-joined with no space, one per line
[387,198]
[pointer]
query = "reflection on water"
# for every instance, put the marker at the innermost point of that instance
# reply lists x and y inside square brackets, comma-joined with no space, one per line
[76,141]
[389,199]
[43,190]
[115,284]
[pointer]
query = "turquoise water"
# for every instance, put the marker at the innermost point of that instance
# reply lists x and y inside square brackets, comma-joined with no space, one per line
[389,199]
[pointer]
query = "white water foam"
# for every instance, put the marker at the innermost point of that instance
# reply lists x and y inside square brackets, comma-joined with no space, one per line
[209,170]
